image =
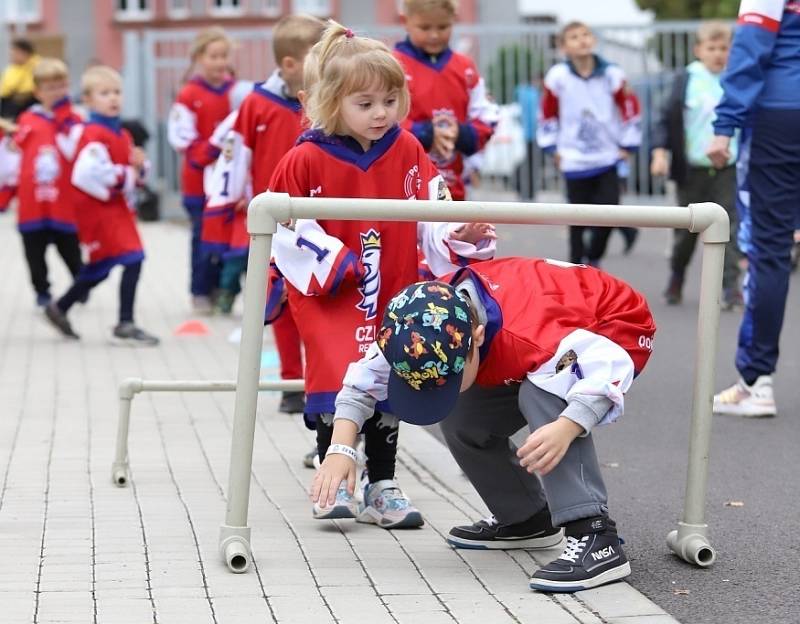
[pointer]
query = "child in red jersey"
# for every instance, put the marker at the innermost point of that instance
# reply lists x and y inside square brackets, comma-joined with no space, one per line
[450,112]
[47,135]
[107,169]
[202,103]
[557,356]
[341,272]
[265,127]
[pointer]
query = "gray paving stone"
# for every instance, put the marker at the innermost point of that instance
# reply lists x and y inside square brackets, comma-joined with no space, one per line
[129,555]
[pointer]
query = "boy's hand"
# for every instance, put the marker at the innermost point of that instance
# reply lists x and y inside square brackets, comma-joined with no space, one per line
[445,133]
[719,151]
[659,165]
[474,233]
[242,205]
[334,470]
[557,160]
[138,157]
[545,447]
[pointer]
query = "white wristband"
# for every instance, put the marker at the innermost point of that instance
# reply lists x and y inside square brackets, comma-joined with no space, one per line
[342,449]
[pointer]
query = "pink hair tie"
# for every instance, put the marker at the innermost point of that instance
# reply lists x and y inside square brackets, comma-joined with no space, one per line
[349,33]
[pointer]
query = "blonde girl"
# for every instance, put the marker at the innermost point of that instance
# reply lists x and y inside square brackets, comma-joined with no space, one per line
[341,273]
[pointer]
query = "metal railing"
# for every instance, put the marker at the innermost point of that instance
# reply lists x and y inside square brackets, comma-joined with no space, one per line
[511,58]
[689,540]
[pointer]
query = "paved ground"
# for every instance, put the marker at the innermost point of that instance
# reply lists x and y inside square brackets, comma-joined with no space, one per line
[751,506]
[74,548]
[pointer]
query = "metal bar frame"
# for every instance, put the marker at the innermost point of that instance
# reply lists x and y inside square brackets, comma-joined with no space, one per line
[689,541]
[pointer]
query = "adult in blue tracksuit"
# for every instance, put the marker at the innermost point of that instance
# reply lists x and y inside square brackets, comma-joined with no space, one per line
[762,98]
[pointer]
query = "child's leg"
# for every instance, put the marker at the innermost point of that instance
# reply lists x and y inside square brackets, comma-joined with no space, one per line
[605,191]
[385,504]
[70,251]
[200,286]
[287,341]
[477,433]
[127,291]
[78,291]
[380,446]
[575,488]
[231,274]
[577,498]
[35,244]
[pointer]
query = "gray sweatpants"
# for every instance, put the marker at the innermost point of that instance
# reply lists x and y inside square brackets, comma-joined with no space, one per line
[478,433]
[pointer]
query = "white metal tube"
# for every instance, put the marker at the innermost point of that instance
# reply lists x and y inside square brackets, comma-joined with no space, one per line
[244,414]
[225,385]
[493,212]
[705,361]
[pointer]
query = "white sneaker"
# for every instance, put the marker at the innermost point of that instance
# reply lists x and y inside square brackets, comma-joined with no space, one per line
[345,506]
[754,401]
[386,505]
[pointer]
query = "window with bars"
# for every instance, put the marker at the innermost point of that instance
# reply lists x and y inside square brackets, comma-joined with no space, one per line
[21,11]
[226,7]
[134,9]
[178,9]
[270,8]
[320,8]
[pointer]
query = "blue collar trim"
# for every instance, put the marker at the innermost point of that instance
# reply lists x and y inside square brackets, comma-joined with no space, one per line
[292,104]
[346,148]
[437,63]
[220,90]
[600,66]
[494,315]
[112,123]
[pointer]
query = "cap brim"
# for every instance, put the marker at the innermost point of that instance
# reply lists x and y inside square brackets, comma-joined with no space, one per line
[422,407]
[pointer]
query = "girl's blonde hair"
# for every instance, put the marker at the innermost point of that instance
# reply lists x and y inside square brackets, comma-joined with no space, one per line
[205,38]
[342,64]
[96,75]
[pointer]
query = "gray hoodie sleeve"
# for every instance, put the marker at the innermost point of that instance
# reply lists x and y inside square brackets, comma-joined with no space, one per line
[587,410]
[365,383]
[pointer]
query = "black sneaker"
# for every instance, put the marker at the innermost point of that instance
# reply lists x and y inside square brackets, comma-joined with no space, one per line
[128,333]
[488,534]
[673,295]
[59,320]
[292,403]
[593,556]
[310,459]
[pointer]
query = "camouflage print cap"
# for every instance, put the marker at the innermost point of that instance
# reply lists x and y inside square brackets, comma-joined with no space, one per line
[425,335]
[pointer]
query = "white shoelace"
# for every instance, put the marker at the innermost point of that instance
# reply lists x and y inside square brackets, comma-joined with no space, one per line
[491,521]
[573,549]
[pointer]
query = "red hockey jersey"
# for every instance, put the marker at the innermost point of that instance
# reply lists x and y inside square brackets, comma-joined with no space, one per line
[104,182]
[448,84]
[572,330]
[47,141]
[266,127]
[342,273]
[197,111]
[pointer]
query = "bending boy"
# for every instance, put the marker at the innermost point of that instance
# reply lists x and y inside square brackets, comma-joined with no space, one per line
[558,356]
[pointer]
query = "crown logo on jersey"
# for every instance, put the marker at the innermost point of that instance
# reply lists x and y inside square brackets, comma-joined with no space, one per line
[370,240]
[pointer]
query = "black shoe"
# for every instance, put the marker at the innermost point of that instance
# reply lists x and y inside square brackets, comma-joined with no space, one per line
[127,333]
[593,556]
[59,320]
[536,532]
[292,403]
[673,295]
